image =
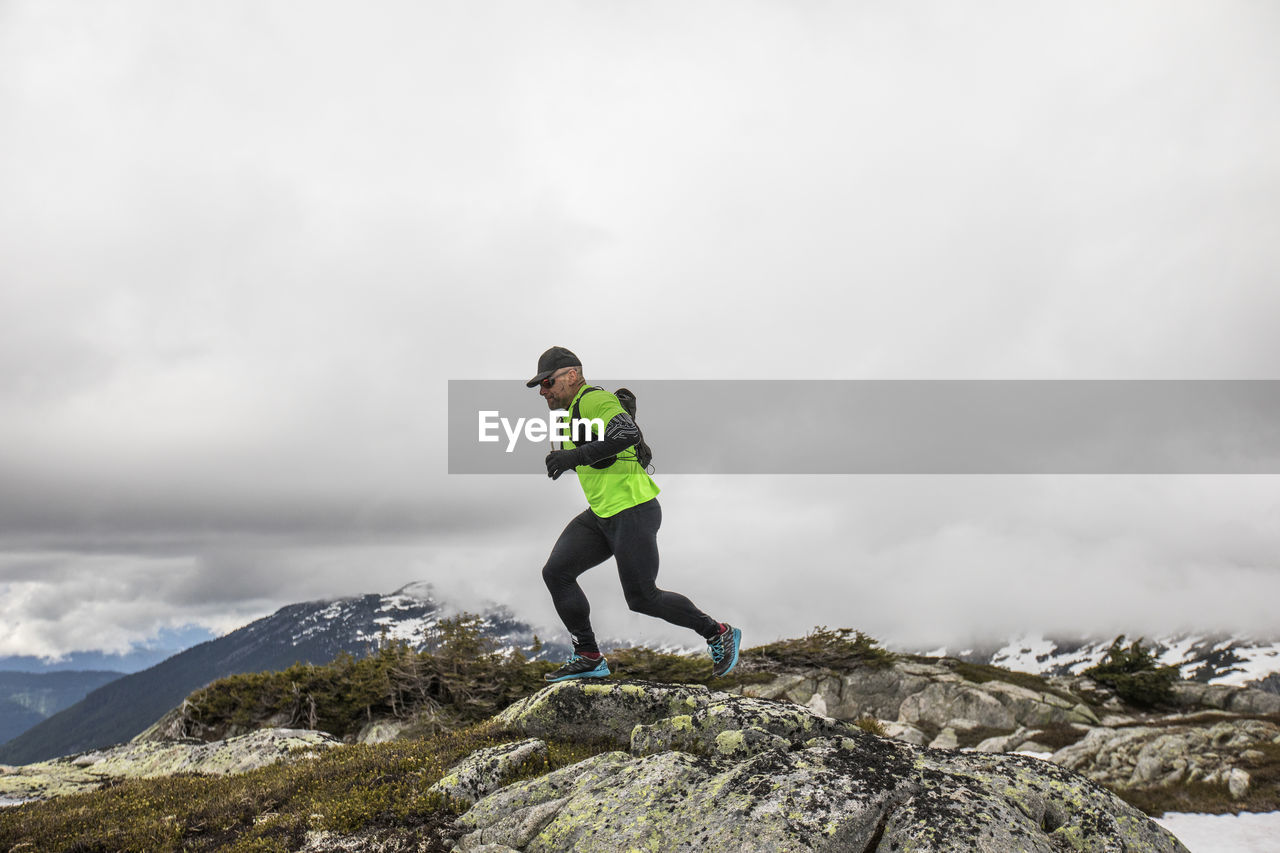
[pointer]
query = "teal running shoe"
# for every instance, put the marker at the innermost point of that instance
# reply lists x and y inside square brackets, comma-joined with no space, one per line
[580,667]
[724,651]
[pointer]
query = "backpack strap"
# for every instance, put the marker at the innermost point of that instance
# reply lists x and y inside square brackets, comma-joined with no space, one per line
[576,414]
[574,417]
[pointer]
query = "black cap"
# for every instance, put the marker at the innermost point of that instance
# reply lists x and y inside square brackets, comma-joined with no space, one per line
[551,361]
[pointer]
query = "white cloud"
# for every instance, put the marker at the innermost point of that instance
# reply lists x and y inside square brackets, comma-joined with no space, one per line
[243,247]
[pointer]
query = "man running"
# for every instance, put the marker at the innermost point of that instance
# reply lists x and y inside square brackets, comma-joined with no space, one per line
[621,521]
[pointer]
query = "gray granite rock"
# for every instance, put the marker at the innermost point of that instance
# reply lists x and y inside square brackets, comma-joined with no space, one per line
[1160,756]
[714,771]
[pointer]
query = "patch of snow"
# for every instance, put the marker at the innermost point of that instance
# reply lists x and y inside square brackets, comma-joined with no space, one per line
[1248,832]
[1030,653]
[333,611]
[411,629]
[1177,653]
[1257,662]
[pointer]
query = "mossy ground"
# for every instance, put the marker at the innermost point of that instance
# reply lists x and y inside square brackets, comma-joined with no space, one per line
[344,790]
[980,673]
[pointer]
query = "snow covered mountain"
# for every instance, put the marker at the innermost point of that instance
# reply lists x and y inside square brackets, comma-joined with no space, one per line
[311,632]
[411,613]
[1211,659]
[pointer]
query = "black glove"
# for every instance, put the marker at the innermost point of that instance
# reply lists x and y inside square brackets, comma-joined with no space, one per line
[559,461]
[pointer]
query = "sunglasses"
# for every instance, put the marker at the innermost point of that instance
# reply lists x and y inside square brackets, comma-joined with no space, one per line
[551,380]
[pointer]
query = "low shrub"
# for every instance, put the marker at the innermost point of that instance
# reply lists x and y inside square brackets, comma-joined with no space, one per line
[1134,674]
[822,647]
[871,724]
[645,664]
[461,680]
[981,673]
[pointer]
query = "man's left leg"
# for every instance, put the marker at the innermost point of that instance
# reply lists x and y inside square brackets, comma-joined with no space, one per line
[633,533]
[581,546]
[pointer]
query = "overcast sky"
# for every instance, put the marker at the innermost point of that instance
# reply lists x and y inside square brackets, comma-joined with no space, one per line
[245,245]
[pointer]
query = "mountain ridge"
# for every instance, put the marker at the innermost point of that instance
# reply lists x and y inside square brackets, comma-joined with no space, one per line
[308,632]
[1209,658]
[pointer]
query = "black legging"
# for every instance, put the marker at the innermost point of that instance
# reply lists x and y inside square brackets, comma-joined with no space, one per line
[632,537]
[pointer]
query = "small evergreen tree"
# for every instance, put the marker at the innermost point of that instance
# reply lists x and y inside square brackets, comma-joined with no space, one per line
[1133,672]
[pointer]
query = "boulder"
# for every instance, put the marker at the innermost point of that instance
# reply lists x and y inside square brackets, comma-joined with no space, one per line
[941,702]
[145,759]
[381,731]
[702,770]
[487,770]
[609,710]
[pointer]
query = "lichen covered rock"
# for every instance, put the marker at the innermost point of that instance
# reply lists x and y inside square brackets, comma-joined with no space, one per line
[488,769]
[713,771]
[606,711]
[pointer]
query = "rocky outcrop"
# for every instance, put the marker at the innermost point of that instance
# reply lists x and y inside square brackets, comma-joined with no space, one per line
[701,770]
[137,760]
[1237,700]
[1068,720]
[926,696]
[1160,756]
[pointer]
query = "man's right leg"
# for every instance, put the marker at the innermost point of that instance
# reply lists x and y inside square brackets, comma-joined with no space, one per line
[581,546]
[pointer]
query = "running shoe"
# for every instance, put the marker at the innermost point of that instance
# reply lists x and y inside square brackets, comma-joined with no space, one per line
[724,651]
[580,667]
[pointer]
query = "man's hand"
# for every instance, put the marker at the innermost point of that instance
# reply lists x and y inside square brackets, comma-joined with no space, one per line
[559,461]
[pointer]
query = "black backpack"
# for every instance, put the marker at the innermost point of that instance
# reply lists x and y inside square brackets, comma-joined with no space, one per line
[643,454]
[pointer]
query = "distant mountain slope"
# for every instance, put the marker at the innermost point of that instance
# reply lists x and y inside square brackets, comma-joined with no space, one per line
[166,643]
[313,632]
[1210,659]
[27,698]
